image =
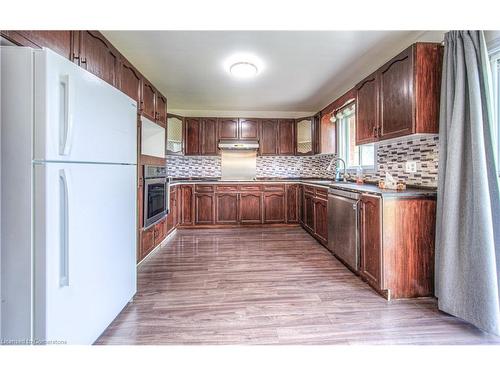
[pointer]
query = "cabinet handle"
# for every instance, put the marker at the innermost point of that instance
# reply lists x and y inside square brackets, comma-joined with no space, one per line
[83,61]
[379,131]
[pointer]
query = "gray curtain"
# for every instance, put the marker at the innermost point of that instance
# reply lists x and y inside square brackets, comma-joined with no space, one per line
[468,207]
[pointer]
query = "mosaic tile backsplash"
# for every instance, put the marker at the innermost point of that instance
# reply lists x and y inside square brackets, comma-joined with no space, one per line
[391,157]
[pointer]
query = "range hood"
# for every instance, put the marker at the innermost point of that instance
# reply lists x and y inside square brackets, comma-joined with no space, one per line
[239,145]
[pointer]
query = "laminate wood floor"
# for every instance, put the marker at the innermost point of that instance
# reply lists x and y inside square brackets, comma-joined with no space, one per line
[269,286]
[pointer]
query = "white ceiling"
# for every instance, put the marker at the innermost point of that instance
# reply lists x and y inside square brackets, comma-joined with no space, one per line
[303,70]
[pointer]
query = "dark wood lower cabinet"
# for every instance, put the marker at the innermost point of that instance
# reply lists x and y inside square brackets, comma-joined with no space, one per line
[147,241]
[186,193]
[309,211]
[292,203]
[371,256]
[274,207]
[321,219]
[397,245]
[250,208]
[204,207]
[226,208]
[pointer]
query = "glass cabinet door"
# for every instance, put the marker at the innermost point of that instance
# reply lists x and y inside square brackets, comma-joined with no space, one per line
[174,134]
[304,136]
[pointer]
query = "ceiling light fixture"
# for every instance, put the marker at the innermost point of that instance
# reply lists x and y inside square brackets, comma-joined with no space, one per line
[243,69]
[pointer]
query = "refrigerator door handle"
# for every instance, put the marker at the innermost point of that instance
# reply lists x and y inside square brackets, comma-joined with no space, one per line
[63,230]
[66,127]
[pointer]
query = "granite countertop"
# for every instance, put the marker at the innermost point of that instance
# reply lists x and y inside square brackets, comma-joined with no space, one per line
[349,186]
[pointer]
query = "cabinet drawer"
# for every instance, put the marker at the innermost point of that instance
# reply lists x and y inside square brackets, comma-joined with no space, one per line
[274,187]
[226,187]
[250,187]
[204,188]
[321,193]
[308,189]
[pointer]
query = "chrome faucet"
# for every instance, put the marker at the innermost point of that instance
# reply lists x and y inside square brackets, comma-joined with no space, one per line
[335,161]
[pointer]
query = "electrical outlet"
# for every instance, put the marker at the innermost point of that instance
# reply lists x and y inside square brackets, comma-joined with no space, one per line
[411,166]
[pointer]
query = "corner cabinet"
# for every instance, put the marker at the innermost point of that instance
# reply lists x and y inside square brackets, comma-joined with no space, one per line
[402,97]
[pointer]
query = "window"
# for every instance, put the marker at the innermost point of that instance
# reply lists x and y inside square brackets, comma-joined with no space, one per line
[354,156]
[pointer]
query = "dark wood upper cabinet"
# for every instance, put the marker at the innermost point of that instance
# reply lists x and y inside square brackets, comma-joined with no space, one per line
[130,80]
[148,105]
[402,97]
[274,207]
[286,137]
[371,250]
[250,208]
[204,208]
[98,56]
[396,96]
[367,109]
[228,128]
[192,136]
[269,137]
[59,41]
[161,109]
[226,208]
[248,129]
[209,137]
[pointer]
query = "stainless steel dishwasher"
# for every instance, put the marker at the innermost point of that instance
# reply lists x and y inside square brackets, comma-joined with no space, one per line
[343,226]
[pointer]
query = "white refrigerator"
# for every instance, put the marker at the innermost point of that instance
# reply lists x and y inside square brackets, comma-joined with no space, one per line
[68,200]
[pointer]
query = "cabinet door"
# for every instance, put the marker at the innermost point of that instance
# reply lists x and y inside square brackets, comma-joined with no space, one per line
[98,56]
[130,80]
[208,136]
[309,212]
[286,137]
[226,208]
[186,198]
[172,214]
[269,137]
[396,96]
[160,232]
[147,241]
[59,41]
[274,207]
[204,208]
[192,136]
[148,100]
[292,203]
[161,109]
[228,128]
[301,205]
[248,129]
[250,208]
[367,110]
[320,219]
[371,250]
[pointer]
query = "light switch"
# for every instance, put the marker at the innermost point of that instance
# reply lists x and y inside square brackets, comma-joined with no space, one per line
[411,166]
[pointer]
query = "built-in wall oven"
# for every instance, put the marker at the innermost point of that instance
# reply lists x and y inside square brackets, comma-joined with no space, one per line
[156,194]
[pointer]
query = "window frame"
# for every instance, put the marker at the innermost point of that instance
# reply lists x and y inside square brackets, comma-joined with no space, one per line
[494,56]
[339,136]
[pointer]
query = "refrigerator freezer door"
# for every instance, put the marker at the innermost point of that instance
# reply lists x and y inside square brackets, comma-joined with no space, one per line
[79,117]
[84,248]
